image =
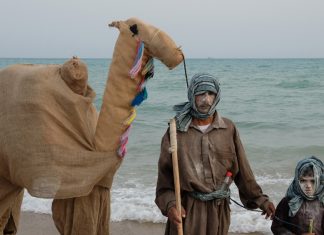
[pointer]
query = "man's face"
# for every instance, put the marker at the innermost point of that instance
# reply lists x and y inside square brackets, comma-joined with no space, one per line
[204,101]
[307,184]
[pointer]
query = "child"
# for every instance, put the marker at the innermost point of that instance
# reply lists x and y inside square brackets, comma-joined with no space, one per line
[303,205]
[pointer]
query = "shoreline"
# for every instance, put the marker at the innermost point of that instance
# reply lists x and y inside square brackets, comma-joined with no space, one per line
[42,224]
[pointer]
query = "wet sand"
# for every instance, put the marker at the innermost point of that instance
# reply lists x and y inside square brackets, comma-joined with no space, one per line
[42,224]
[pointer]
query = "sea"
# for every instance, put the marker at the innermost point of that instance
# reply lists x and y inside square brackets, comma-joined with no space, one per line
[277,105]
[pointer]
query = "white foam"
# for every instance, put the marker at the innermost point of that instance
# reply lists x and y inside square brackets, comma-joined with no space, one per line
[133,200]
[37,205]
[243,221]
[135,203]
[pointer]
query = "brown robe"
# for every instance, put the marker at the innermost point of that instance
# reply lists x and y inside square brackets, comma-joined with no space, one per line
[204,159]
[308,210]
[83,215]
[9,219]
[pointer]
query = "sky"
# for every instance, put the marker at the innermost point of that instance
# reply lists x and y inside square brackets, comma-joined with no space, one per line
[203,28]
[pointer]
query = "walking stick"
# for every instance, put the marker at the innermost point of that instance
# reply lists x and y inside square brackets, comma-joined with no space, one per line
[310,228]
[173,140]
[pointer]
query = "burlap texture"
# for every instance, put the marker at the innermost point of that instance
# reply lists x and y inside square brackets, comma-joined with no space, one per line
[121,89]
[10,204]
[51,142]
[74,72]
[87,215]
[47,134]
[159,44]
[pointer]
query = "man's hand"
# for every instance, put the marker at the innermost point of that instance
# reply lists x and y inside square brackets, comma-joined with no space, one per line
[174,216]
[268,209]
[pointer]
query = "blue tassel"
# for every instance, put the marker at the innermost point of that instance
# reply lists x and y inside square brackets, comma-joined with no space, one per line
[140,97]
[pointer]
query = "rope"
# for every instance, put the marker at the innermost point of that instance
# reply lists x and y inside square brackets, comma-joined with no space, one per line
[185,69]
[275,217]
[219,194]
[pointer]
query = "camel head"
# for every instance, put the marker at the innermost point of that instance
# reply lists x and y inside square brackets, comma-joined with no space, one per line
[157,43]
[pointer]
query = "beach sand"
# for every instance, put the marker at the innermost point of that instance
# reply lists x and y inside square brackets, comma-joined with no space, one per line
[42,224]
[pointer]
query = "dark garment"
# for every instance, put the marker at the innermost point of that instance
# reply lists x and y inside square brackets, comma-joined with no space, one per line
[204,159]
[308,210]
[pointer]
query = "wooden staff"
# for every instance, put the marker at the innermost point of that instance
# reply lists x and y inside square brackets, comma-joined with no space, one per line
[310,228]
[173,140]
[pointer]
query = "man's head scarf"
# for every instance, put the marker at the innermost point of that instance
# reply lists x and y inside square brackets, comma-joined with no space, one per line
[295,194]
[199,84]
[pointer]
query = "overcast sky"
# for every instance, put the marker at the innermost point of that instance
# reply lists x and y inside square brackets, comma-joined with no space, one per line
[204,28]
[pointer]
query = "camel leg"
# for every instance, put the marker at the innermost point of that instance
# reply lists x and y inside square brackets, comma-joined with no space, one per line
[88,215]
[11,197]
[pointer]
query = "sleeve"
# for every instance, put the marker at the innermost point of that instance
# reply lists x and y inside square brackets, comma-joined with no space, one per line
[278,227]
[250,192]
[165,196]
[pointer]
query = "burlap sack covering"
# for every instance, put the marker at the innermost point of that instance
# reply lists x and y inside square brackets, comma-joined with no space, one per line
[121,89]
[50,143]
[47,134]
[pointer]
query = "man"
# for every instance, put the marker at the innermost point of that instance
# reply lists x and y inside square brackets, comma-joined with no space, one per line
[208,147]
[303,205]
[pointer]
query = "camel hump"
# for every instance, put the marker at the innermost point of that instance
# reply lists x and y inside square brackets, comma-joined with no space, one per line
[75,74]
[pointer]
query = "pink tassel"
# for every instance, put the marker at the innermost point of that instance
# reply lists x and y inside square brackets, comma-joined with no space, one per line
[123,142]
[138,60]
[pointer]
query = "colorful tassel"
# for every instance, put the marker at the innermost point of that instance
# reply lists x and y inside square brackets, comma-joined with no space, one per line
[124,137]
[122,151]
[138,60]
[123,142]
[140,97]
[147,73]
[141,85]
[148,67]
[131,117]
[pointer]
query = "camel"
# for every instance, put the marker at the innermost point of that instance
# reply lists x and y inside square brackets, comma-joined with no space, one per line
[53,142]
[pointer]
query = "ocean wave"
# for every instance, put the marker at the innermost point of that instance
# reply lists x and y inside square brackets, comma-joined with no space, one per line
[38,205]
[301,84]
[264,66]
[263,125]
[133,200]
[244,221]
[287,153]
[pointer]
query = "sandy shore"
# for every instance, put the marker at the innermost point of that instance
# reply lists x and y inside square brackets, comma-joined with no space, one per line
[42,224]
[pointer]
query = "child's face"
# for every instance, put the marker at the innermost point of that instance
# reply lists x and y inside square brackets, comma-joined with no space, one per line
[307,184]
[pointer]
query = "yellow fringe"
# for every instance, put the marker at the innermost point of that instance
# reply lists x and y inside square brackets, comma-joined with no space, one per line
[131,117]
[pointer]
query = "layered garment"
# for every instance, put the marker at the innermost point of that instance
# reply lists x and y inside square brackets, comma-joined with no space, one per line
[308,210]
[204,159]
[11,203]
[83,215]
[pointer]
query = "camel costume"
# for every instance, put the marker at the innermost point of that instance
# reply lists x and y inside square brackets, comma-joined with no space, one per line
[52,142]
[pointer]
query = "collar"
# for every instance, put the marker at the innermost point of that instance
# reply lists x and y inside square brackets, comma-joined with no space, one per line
[218,122]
